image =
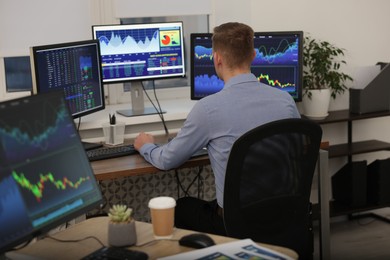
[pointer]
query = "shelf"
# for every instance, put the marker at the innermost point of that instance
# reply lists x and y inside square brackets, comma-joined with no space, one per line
[338,209]
[357,148]
[348,149]
[345,115]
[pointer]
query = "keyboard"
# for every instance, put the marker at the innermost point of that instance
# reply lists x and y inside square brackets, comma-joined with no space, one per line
[116,253]
[108,152]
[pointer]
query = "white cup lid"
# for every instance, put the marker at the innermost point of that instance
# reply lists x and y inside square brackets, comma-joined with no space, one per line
[162,203]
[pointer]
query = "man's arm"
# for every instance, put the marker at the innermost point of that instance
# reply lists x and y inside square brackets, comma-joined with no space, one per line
[192,136]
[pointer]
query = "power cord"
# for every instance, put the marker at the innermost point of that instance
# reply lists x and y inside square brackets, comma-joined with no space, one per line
[78,124]
[76,240]
[186,191]
[159,110]
[20,246]
[151,242]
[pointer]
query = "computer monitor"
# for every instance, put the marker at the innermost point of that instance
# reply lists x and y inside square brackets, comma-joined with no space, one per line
[278,63]
[136,52]
[17,73]
[74,68]
[46,178]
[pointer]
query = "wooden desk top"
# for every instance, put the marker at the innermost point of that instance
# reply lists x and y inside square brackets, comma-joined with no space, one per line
[135,165]
[97,227]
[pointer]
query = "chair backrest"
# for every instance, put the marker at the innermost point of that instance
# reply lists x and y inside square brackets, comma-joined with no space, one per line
[268,184]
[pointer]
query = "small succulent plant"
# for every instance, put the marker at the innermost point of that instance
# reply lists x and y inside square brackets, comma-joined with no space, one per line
[120,213]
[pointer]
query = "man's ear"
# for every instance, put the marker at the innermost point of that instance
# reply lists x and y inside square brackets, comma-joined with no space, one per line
[217,58]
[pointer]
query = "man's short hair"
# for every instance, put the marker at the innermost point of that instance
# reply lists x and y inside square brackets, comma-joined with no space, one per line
[234,41]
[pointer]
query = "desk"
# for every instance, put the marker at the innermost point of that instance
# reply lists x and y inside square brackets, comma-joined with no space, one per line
[135,165]
[51,249]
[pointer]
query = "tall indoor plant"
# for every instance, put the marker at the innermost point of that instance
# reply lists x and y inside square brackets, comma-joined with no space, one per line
[322,78]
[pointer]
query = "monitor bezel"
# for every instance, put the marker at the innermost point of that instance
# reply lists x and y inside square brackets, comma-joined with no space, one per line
[36,89]
[298,97]
[142,24]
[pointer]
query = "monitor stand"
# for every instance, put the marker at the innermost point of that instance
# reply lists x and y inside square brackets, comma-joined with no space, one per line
[137,102]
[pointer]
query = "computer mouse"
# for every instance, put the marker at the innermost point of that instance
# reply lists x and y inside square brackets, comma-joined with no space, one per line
[196,240]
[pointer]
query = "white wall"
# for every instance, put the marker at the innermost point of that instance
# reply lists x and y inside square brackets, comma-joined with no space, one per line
[26,23]
[359,26]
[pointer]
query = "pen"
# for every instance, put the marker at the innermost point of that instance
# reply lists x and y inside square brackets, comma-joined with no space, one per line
[112,119]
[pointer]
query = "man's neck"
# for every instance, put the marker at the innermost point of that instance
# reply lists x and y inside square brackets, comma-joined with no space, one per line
[232,73]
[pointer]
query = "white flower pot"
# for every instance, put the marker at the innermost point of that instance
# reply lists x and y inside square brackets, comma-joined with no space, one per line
[317,107]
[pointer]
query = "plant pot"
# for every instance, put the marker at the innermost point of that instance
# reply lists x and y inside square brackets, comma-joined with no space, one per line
[122,234]
[317,107]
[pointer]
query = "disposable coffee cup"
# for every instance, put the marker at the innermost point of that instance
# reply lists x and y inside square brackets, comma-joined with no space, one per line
[162,211]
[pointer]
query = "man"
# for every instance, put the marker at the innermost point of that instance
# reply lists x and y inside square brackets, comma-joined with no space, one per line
[217,121]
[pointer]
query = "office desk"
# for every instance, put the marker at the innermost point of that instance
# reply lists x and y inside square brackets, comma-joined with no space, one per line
[97,227]
[135,165]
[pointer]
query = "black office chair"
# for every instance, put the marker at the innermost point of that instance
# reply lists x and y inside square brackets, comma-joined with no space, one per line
[268,183]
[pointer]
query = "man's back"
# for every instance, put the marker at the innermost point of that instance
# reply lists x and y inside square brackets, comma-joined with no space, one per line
[242,105]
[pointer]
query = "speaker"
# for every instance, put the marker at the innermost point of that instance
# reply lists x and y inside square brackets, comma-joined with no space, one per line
[378,181]
[349,184]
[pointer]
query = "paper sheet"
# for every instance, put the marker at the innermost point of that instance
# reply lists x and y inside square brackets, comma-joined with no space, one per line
[240,249]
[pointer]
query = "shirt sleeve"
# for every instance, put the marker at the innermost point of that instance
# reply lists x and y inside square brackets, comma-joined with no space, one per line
[192,137]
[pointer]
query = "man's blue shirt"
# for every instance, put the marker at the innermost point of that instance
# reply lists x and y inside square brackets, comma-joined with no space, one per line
[218,120]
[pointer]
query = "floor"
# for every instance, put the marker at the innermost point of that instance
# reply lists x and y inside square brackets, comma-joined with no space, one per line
[364,238]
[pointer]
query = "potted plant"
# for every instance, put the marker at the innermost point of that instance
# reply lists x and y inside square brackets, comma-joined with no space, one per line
[121,227]
[322,78]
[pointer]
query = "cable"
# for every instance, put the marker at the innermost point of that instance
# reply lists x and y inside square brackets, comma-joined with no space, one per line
[186,191]
[159,110]
[78,125]
[76,240]
[20,246]
[192,182]
[180,186]
[200,182]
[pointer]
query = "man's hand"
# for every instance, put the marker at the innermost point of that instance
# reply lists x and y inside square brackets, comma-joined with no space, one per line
[142,139]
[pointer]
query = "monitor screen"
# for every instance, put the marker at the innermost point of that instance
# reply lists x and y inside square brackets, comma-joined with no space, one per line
[73,67]
[46,178]
[278,63]
[141,51]
[17,73]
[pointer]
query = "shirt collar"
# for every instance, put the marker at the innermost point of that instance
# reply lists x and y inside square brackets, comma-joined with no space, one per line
[239,79]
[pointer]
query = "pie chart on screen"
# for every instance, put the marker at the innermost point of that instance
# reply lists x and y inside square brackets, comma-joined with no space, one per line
[166,40]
